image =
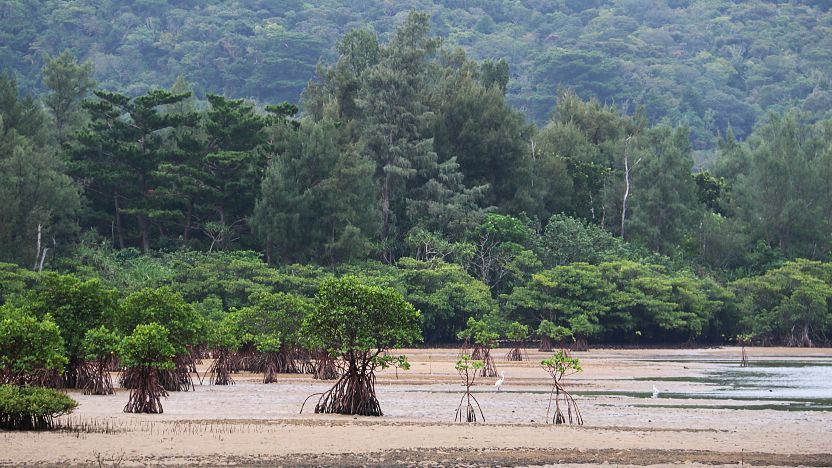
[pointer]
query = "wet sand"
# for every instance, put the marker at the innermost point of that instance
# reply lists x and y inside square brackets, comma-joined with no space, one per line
[700,418]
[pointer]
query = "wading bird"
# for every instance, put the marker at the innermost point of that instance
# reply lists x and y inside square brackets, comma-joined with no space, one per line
[499,383]
[655,391]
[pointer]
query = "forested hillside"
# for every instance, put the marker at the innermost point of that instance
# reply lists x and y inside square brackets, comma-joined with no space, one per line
[708,64]
[405,165]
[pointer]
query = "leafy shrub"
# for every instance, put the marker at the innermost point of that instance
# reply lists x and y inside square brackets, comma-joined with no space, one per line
[32,408]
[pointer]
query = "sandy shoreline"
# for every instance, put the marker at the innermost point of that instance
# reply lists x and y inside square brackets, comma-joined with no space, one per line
[254,424]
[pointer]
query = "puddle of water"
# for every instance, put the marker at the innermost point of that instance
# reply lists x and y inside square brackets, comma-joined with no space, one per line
[792,385]
[767,362]
[776,407]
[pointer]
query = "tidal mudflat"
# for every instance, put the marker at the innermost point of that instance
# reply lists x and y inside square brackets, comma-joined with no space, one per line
[709,410]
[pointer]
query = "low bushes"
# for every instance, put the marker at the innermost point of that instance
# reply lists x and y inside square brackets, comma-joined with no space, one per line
[32,408]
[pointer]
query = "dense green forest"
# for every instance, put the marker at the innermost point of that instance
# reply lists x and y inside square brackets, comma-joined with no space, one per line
[710,65]
[404,164]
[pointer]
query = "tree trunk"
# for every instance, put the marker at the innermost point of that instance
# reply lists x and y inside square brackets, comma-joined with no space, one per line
[627,169]
[144,232]
[119,232]
[189,213]
[385,213]
[626,191]
[221,239]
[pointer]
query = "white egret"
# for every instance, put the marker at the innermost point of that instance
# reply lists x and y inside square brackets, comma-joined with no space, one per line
[499,383]
[655,391]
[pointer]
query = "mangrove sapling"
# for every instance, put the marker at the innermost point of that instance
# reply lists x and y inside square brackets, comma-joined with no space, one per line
[559,367]
[517,334]
[357,323]
[145,353]
[468,370]
[744,339]
[550,334]
[100,346]
[398,362]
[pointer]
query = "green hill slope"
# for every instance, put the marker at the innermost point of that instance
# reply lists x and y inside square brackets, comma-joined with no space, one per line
[711,64]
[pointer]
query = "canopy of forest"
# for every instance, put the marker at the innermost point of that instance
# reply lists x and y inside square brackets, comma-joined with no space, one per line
[709,65]
[405,165]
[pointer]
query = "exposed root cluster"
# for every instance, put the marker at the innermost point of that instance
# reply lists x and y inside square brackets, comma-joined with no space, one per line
[516,354]
[563,400]
[270,367]
[26,422]
[353,393]
[146,391]
[325,368]
[220,369]
[179,378]
[97,380]
[467,398]
[483,353]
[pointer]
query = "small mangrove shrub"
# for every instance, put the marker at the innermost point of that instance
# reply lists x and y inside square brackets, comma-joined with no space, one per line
[559,367]
[32,408]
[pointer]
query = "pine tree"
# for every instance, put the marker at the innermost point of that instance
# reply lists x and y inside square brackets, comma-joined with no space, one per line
[69,83]
[119,154]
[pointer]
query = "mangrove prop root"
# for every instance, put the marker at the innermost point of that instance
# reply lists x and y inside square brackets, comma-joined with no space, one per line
[97,378]
[470,411]
[179,378]
[354,393]
[21,422]
[145,390]
[239,360]
[483,353]
[514,355]
[464,349]
[325,368]
[545,344]
[270,368]
[304,361]
[286,361]
[563,401]
[220,369]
